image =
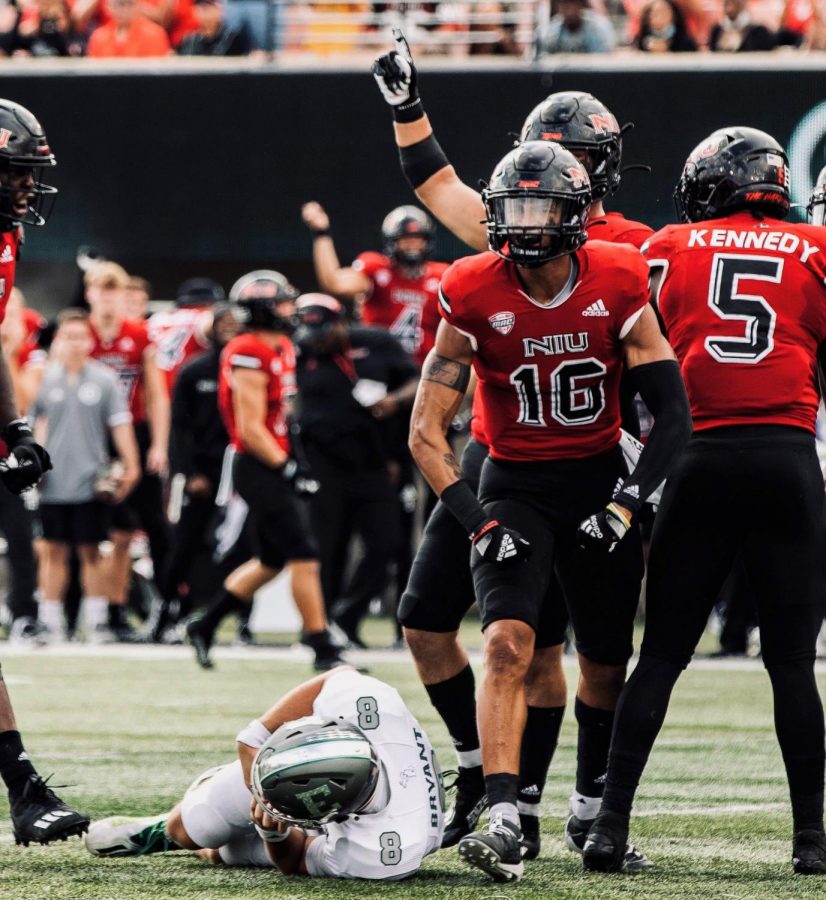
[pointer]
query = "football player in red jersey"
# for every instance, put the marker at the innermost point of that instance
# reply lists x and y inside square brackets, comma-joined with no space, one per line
[396,290]
[547,321]
[37,813]
[439,592]
[255,390]
[741,296]
[124,345]
[183,331]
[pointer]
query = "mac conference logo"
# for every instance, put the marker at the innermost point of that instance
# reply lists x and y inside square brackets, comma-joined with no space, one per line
[807,154]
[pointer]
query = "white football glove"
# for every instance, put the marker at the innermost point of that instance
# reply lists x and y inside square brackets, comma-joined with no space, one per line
[395,73]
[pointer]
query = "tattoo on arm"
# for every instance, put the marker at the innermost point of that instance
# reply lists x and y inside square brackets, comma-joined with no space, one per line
[448,372]
[452,464]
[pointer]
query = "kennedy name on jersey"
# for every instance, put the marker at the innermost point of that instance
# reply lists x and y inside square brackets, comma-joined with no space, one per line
[555,344]
[781,241]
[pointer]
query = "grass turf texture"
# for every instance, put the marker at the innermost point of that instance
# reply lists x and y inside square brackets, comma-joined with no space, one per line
[129,735]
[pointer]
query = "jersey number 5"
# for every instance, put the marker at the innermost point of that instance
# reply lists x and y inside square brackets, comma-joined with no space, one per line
[732,304]
[577,393]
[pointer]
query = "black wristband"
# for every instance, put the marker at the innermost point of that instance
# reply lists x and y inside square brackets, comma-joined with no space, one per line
[422,160]
[461,501]
[321,232]
[409,112]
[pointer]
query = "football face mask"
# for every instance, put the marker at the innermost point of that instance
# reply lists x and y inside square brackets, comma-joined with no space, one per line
[533,228]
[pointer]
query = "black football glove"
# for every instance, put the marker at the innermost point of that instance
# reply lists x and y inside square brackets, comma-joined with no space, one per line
[395,73]
[604,530]
[500,545]
[300,482]
[27,460]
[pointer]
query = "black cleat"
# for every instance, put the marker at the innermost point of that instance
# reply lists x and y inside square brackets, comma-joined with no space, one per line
[469,803]
[576,836]
[39,816]
[809,852]
[497,851]
[604,849]
[531,838]
[201,641]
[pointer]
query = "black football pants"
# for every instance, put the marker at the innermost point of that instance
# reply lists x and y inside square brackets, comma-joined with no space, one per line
[756,491]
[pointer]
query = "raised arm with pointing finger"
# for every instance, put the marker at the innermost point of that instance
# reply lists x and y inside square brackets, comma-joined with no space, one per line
[456,205]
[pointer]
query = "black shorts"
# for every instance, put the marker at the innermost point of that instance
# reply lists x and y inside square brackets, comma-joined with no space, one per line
[74,523]
[756,491]
[439,592]
[545,502]
[277,522]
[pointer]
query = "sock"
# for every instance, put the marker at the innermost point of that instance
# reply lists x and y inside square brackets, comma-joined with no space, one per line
[94,611]
[50,613]
[501,789]
[15,768]
[539,741]
[455,701]
[640,715]
[154,839]
[592,747]
[225,604]
[320,642]
[584,808]
[798,721]
[116,615]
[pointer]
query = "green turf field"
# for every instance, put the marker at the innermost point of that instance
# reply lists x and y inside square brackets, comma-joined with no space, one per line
[129,734]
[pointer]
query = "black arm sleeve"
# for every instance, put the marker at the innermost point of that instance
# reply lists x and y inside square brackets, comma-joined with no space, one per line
[661,387]
[422,160]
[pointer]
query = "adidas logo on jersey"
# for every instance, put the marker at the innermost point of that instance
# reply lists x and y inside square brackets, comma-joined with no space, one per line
[6,256]
[597,308]
[502,322]
[632,491]
[507,549]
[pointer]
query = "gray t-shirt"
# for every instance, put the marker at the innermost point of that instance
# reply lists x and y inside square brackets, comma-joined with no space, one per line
[79,413]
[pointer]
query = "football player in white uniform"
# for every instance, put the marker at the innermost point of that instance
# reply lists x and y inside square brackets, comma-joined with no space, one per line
[337,780]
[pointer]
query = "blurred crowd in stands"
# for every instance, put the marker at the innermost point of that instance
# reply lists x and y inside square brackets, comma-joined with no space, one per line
[520,28]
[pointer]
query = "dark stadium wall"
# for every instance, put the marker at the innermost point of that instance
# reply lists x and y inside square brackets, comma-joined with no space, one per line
[180,173]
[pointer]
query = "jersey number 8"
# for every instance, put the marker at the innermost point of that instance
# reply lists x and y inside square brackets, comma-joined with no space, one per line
[368,711]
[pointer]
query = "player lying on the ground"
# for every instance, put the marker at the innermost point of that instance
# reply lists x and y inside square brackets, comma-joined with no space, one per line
[344,784]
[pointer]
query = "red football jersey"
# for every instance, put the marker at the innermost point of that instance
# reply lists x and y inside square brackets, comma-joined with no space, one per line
[249,352]
[616,229]
[9,250]
[125,354]
[548,375]
[744,305]
[612,227]
[178,334]
[407,308]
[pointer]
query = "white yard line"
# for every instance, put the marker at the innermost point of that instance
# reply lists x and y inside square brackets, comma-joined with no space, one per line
[297,652]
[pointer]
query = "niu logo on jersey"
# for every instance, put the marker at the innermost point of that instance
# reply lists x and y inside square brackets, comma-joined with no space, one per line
[5,135]
[604,124]
[502,322]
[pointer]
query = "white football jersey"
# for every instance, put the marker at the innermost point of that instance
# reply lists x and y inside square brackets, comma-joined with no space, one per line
[391,843]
